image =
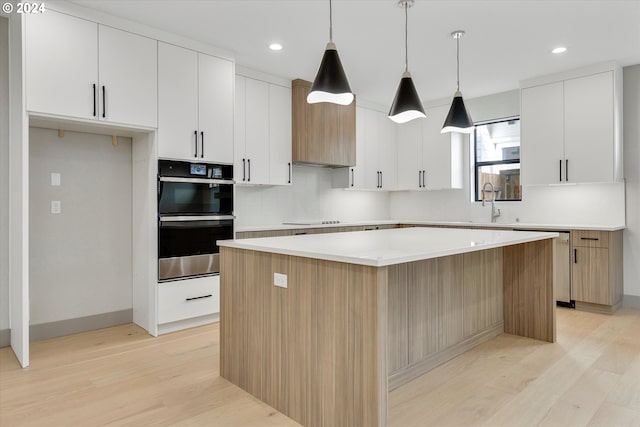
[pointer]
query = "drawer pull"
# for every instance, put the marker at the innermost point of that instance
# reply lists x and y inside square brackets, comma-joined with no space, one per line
[201,297]
[589,238]
[299,234]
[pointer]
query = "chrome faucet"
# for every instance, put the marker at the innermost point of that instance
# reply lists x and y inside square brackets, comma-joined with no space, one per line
[495,213]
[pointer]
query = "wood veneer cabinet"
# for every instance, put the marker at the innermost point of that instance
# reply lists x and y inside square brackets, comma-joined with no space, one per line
[597,270]
[323,133]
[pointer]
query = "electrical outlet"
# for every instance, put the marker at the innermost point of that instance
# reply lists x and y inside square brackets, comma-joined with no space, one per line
[56,207]
[280,280]
[55,179]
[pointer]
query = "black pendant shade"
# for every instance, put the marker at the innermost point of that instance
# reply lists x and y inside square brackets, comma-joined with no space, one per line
[458,119]
[406,105]
[331,84]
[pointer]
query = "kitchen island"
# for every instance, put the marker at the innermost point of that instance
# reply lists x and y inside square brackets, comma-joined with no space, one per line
[322,327]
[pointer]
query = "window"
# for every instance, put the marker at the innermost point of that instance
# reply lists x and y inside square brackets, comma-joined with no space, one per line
[497,159]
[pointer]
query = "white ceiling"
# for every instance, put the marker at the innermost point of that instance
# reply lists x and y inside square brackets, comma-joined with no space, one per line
[506,40]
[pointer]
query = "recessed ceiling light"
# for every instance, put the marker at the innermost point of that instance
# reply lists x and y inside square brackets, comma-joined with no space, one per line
[275,46]
[559,49]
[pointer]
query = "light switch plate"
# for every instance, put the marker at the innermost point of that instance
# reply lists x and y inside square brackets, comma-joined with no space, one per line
[280,280]
[55,179]
[56,207]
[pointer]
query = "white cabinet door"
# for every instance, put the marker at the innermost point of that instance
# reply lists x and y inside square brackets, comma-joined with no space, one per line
[357,173]
[215,112]
[441,161]
[61,65]
[257,131]
[371,150]
[409,143]
[542,134]
[388,152]
[589,128]
[128,66]
[177,103]
[279,135]
[239,126]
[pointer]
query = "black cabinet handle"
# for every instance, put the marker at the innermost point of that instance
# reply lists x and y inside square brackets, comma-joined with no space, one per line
[104,102]
[195,138]
[94,100]
[424,173]
[352,177]
[419,179]
[300,234]
[381,179]
[249,167]
[289,167]
[244,170]
[202,144]
[575,256]
[200,297]
[566,170]
[589,238]
[560,170]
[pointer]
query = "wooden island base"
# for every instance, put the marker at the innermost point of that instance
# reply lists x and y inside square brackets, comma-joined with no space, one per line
[326,350]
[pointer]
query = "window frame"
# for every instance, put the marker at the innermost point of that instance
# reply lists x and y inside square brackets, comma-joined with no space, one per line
[477,165]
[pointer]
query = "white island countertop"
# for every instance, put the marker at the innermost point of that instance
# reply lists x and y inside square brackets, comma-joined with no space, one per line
[380,248]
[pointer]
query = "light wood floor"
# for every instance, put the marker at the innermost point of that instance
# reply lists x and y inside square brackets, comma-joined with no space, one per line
[121,376]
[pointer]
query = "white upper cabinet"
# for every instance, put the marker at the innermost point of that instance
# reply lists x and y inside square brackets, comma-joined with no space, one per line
[79,69]
[262,133]
[589,128]
[280,169]
[542,129]
[570,128]
[177,103]
[410,155]
[215,107]
[375,167]
[128,70]
[427,158]
[195,105]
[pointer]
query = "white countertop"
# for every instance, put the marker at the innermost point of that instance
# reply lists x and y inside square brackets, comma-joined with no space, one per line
[379,248]
[517,225]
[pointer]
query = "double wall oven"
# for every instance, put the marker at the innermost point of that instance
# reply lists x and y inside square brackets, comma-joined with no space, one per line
[195,210]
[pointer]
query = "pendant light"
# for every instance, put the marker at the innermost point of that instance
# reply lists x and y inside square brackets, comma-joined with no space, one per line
[406,105]
[458,119]
[330,84]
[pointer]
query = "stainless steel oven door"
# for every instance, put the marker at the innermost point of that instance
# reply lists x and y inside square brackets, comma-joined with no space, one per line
[187,245]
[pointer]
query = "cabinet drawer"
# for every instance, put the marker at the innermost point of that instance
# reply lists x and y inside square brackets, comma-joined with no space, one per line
[590,239]
[184,299]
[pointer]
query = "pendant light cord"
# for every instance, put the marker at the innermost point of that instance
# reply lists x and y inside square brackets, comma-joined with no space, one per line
[330,22]
[458,62]
[406,37]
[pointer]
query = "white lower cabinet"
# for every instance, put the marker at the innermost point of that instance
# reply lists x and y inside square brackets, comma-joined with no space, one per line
[187,299]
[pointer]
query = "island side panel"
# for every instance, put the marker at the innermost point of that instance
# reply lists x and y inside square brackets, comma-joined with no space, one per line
[315,351]
[483,290]
[450,305]
[529,303]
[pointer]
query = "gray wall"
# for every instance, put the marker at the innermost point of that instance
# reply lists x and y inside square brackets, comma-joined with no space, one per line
[4,181]
[631,132]
[80,259]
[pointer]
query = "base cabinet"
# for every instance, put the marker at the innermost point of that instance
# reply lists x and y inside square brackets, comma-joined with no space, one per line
[597,270]
[182,301]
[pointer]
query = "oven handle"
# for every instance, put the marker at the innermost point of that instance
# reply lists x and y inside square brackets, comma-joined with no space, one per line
[195,218]
[196,180]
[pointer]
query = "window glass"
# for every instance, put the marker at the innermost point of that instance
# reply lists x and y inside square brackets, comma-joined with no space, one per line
[497,159]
